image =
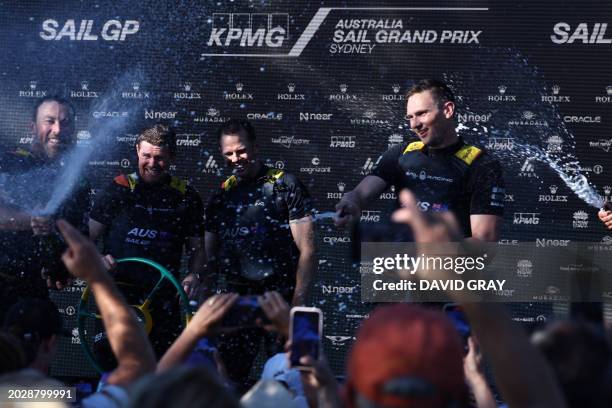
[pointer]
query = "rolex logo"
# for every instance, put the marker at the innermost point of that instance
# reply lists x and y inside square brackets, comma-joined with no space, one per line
[609,89]
[607,190]
[341,187]
[187,86]
[291,87]
[396,88]
[553,189]
[239,86]
[556,89]
[33,85]
[343,88]
[135,86]
[502,89]
[84,85]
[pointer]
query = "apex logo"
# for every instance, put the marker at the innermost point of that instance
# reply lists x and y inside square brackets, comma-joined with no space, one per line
[249,30]
[112,30]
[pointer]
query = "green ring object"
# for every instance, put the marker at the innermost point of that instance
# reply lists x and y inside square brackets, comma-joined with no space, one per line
[83,312]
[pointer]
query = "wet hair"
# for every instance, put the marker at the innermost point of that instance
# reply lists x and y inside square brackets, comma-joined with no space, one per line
[186,387]
[579,355]
[439,90]
[159,135]
[235,126]
[53,98]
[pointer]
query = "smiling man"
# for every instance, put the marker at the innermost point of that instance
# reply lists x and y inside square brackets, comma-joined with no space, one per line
[441,170]
[151,214]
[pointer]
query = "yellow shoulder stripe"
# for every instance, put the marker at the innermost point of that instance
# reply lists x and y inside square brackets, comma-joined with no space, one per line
[229,183]
[414,146]
[468,154]
[177,183]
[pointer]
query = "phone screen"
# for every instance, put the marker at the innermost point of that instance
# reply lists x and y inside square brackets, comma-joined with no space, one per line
[305,337]
[460,321]
[244,313]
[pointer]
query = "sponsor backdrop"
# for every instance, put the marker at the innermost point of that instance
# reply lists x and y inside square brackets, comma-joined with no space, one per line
[323,84]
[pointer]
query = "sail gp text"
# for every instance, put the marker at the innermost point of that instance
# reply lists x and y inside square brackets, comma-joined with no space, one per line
[360,36]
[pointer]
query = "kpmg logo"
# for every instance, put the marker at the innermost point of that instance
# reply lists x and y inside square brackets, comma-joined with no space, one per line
[603,144]
[554,144]
[395,96]
[563,33]
[502,95]
[523,218]
[84,91]
[555,97]
[316,168]
[239,94]
[291,95]
[189,139]
[500,143]
[552,197]
[135,92]
[528,118]
[581,219]
[394,140]
[342,142]
[288,141]
[344,95]
[88,30]
[370,216]
[186,92]
[32,91]
[248,30]
[524,268]
[213,115]
[337,195]
[607,98]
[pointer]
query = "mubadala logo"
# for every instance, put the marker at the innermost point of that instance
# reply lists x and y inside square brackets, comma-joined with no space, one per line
[135,93]
[370,216]
[500,143]
[238,95]
[552,197]
[291,95]
[582,33]
[474,117]
[528,168]
[336,240]
[33,92]
[151,114]
[394,140]
[395,96]
[186,92]
[211,166]
[247,30]
[213,115]
[287,141]
[344,95]
[582,119]
[528,118]
[109,114]
[337,195]
[554,243]
[367,167]
[369,118]
[342,142]
[524,268]
[502,96]
[189,139]
[306,116]
[607,98]
[555,97]
[581,219]
[554,144]
[265,116]
[603,144]
[315,169]
[112,30]
[84,92]
[329,289]
[521,218]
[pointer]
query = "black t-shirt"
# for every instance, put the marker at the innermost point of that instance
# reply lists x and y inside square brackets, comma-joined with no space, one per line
[251,222]
[27,183]
[149,220]
[441,180]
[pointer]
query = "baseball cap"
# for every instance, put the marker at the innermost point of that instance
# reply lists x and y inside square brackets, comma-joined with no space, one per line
[406,356]
[33,319]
